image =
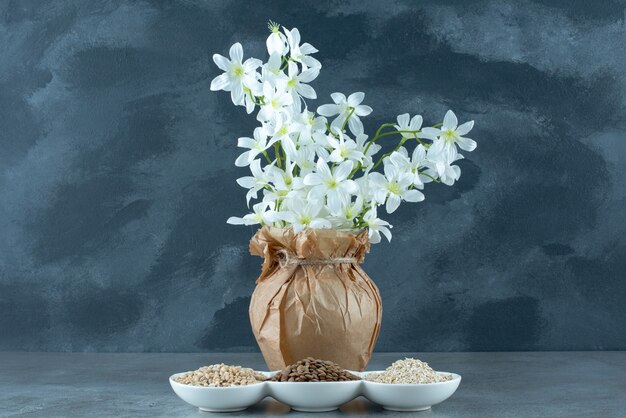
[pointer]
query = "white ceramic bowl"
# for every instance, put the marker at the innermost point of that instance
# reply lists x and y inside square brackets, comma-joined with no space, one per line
[314,396]
[413,397]
[216,399]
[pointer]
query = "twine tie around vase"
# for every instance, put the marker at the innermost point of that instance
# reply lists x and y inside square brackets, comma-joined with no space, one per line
[287,258]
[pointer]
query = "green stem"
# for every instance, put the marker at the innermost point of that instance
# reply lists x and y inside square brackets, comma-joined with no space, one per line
[371,141]
[343,126]
[378,136]
[277,154]
[402,141]
[258,103]
[286,63]
[330,131]
[421,142]
[436,180]
[267,157]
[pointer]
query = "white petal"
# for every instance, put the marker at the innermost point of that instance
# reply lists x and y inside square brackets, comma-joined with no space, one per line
[430,133]
[337,123]
[274,61]
[465,128]
[403,120]
[236,52]
[449,120]
[249,105]
[363,110]
[419,153]
[416,122]
[355,124]
[309,75]
[413,196]
[245,142]
[236,94]
[398,159]
[294,37]
[335,156]
[350,186]
[343,170]
[393,201]
[222,62]
[221,82]
[251,64]
[274,43]
[436,148]
[312,179]
[243,159]
[374,236]
[322,169]
[311,62]
[233,220]
[328,110]
[338,97]
[247,182]
[457,171]
[307,49]
[320,223]
[386,232]
[467,144]
[334,201]
[306,91]
[355,99]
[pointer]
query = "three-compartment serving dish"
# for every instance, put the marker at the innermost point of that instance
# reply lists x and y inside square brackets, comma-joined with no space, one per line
[317,396]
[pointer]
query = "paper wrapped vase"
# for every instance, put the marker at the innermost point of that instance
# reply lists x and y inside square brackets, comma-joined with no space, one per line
[313,299]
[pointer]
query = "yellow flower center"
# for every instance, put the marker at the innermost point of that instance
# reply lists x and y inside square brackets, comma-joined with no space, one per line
[449,135]
[238,71]
[394,187]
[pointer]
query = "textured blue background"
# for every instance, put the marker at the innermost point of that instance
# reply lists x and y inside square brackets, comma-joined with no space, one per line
[117,175]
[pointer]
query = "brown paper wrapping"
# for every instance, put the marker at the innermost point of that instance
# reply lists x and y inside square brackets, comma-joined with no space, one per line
[328,311]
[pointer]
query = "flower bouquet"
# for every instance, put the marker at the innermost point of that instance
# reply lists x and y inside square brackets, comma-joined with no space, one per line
[316,184]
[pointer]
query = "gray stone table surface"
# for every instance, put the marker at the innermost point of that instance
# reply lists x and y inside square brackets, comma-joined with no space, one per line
[520,384]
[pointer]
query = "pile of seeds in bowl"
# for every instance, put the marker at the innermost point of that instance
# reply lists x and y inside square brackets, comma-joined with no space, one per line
[410,371]
[313,370]
[221,375]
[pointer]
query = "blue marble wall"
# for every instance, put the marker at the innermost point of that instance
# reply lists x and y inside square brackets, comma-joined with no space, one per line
[117,175]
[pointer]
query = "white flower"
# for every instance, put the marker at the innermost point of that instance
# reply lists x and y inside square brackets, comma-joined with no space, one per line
[302,214]
[318,173]
[303,157]
[276,99]
[237,75]
[376,226]
[412,165]
[300,53]
[332,184]
[283,183]
[344,149]
[281,127]
[260,215]
[256,146]
[393,187]
[277,42]
[345,107]
[348,212]
[444,139]
[258,181]
[405,125]
[296,80]
[306,124]
[441,167]
[271,72]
